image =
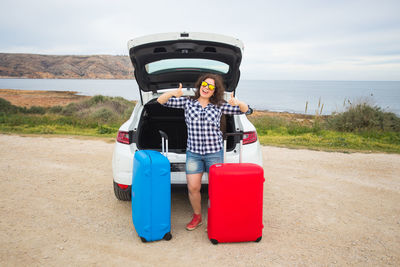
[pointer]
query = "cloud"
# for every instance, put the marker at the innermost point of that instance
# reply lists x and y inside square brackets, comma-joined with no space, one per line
[289,39]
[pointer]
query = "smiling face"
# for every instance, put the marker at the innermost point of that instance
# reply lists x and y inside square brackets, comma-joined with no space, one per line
[205,90]
[203,84]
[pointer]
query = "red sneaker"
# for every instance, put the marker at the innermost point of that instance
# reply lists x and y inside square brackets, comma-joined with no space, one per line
[194,223]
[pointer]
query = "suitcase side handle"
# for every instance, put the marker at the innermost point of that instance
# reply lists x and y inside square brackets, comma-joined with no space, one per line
[164,136]
[240,134]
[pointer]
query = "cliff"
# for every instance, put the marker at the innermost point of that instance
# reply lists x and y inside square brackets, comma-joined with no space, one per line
[69,67]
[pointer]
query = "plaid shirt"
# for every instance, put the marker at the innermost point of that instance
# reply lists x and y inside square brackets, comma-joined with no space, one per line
[203,124]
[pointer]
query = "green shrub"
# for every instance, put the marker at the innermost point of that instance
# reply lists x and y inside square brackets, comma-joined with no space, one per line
[265,123]
[102,115]
[294,129]
[35,110]
[391,121]
[56,109]
[279,125]
[104,129]
[364,117]
[103,109]
[97,99]
[67,120]
[70,109]
[6,107]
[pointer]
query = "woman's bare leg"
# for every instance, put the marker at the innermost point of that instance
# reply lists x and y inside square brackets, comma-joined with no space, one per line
[194,187]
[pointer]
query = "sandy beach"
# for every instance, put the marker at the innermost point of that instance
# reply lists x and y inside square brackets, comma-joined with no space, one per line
[58,208]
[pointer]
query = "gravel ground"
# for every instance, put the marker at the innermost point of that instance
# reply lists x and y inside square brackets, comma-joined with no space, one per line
[57,208]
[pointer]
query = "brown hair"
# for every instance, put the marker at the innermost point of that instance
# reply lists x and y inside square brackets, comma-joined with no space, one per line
[218,97]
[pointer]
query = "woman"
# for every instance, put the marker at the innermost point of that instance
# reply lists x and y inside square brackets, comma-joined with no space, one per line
[205,144]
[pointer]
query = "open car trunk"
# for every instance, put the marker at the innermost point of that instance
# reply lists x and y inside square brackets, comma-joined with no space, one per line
[157,117]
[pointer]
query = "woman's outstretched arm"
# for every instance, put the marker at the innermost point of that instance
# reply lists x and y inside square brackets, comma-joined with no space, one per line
[162,99]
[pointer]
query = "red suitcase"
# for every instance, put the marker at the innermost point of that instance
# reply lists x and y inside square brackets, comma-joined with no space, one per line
[235,201]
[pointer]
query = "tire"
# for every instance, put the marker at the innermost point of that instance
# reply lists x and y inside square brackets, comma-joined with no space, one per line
[122,194]
[258,239]
[143,240]
[167,236]
[214,241]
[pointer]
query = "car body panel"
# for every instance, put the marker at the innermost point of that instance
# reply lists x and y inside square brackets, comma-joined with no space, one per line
[123,155]
[152,87]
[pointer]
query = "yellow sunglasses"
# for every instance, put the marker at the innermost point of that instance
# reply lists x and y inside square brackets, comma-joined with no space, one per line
[210,86]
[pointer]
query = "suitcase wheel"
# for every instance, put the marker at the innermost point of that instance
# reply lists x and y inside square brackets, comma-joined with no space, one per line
[167,236]
[258,239]
[214,241]
[143,239]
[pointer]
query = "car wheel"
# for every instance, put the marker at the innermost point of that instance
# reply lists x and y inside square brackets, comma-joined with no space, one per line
[122,194]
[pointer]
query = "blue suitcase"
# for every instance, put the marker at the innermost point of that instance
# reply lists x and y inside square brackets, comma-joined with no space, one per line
[151,194]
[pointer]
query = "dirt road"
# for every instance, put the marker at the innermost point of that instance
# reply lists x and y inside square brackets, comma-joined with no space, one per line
[57,208]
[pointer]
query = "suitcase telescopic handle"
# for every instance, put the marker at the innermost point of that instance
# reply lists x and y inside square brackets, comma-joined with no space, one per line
[240,134]
[164,136]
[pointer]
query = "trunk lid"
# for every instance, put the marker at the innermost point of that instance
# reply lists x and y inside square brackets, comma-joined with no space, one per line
[161,61]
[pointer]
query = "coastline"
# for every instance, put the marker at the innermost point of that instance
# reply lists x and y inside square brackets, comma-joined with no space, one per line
[299,97]
[274,128]
[29,98]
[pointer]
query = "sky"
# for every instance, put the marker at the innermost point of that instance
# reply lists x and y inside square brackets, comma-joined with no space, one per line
[283,39]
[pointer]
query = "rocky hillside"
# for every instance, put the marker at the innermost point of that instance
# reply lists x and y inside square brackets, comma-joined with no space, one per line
[74,67]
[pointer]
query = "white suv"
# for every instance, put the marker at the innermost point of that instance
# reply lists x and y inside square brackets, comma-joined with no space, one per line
[161,62]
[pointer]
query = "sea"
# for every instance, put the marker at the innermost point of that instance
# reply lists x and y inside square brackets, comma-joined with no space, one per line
[302,96]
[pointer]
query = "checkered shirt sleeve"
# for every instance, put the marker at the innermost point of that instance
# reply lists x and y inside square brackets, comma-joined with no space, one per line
[232,110]
[177,102]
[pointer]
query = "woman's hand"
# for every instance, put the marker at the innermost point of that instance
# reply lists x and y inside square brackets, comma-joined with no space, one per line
[234,102]
[167,95]
[178,92]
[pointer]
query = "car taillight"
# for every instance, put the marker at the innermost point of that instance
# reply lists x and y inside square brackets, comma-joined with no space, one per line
[249,137]
[123,137]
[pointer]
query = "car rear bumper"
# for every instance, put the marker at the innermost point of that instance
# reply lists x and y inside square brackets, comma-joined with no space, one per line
[122,162]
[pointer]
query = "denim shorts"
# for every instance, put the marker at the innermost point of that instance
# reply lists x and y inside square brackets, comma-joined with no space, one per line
[197,163]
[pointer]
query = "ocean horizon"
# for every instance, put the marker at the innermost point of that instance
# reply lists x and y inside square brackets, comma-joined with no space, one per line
[273,95]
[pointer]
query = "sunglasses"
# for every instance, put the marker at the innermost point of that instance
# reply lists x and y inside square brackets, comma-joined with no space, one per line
[210,86]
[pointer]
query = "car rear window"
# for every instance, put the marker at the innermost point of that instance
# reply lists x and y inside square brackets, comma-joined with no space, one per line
[176,64]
